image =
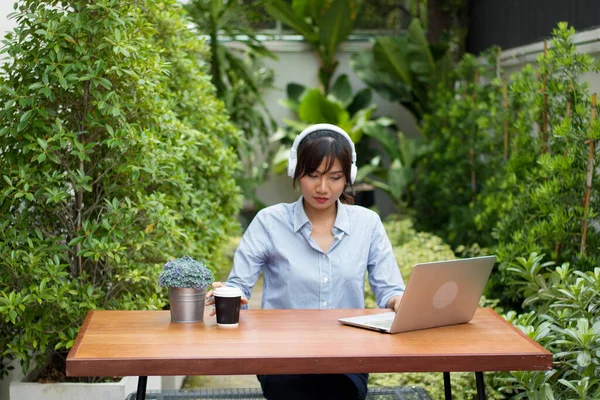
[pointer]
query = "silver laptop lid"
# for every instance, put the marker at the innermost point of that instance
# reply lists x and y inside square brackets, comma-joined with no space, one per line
[443,293]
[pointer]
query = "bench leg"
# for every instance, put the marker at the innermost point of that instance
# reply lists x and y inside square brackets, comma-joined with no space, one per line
[447,387]
[480,386]
[141,389]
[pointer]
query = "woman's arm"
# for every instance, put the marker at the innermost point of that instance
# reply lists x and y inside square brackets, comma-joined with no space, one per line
[251,255]
[384,274]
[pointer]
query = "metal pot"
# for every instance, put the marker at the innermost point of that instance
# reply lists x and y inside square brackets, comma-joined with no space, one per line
[187,304]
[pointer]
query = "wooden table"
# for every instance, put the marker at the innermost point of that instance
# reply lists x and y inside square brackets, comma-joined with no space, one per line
[143,343]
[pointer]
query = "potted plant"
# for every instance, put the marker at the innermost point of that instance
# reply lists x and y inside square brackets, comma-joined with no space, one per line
[187,280]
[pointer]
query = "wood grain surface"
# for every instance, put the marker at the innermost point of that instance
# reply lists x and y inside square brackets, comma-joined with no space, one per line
[121,343]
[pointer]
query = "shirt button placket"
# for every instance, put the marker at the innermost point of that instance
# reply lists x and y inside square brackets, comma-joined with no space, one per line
[325,287]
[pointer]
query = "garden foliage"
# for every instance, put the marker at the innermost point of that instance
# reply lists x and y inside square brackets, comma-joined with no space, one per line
[565,319]
[465,145]
[513,167]
[240,77]
[519,179]
[115,158]
[323,24]
[405,69]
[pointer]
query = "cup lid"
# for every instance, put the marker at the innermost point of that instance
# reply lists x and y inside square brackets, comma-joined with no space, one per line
[227,291]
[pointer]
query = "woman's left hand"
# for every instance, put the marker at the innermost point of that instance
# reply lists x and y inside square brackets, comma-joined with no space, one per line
[394,303]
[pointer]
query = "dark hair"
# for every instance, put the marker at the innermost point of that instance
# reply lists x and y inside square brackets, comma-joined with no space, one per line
[325,145]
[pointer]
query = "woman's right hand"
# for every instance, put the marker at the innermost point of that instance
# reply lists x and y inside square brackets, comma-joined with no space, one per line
[210,299]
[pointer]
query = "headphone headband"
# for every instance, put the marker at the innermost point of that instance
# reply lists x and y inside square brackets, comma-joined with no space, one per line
[293,159]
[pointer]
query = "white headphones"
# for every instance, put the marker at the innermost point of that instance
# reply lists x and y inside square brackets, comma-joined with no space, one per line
[293,160]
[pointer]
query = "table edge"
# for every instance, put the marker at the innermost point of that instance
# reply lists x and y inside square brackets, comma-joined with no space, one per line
[80,335]
[520,332]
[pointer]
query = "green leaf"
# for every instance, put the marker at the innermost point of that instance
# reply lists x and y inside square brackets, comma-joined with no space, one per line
[26,116]
[365,171]
[385,137]
[238,67]
[365,68]
[584,358]
[398,178]
[391,55]
[295,91]
[76,240]
[421,61]
[342,90]
[281,11]
[361,100]
[316,108]
[42,143]
[335,25]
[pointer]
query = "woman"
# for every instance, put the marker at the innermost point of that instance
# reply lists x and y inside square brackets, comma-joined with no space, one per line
[314,253]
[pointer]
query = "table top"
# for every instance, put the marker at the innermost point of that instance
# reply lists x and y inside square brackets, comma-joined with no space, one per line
[122,343]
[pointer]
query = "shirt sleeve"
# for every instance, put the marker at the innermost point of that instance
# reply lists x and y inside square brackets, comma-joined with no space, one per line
[384,274]
[250,256]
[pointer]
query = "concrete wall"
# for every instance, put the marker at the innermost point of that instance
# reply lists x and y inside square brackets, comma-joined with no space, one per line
[6,7]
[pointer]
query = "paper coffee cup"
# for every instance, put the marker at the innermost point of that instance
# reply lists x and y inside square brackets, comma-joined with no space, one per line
[227,305]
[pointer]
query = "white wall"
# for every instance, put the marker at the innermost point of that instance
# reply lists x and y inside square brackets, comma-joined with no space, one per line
[6,7]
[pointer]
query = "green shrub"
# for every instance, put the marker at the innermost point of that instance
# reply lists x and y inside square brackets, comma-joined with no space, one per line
[464,134]
[565,319]
[112,162]
[543,204]
[515,172]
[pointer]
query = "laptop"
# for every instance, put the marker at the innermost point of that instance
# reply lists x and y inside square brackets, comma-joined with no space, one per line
[437,294]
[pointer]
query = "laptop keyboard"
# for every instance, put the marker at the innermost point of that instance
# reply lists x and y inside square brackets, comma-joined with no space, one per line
[383,323]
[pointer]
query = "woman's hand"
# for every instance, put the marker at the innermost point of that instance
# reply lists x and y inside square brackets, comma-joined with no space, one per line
[210,300]
[394,303]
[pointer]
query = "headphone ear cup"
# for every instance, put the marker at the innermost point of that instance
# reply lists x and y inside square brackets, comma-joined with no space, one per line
[353,171]
[291,167]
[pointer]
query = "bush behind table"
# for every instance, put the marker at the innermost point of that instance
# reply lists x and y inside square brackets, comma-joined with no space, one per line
[115,158]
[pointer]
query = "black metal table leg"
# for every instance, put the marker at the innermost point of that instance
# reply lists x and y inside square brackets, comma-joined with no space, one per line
[141,390]
[447,387]
[480,386]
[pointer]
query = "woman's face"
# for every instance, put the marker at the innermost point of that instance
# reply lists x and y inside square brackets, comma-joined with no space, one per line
[321,190]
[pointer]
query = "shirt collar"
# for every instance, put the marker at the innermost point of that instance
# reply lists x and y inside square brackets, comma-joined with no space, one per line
[300,218]
[342,220]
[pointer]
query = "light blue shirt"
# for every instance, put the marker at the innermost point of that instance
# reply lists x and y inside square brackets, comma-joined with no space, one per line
[299,274]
